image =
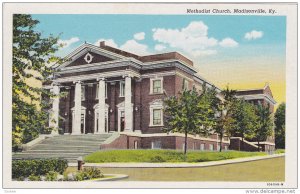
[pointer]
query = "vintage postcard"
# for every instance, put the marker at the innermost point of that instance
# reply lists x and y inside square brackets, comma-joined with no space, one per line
[150,95]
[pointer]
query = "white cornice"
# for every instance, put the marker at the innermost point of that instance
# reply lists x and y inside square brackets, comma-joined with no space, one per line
[258,96]
[97,75]
[98,66]
[160,74]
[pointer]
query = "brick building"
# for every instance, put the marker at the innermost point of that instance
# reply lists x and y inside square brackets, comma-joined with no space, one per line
[260,96]
[108,90]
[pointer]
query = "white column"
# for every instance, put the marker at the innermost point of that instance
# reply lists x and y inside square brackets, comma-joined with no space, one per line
[128,106]
[101,106]
[77,110]
[54,116]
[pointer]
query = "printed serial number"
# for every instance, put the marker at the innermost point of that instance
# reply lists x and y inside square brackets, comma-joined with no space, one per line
[274,184]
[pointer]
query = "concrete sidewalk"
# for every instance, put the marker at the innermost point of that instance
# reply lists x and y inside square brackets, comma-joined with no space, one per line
[178,165]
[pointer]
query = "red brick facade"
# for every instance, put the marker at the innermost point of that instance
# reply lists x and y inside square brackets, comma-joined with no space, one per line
[126,141]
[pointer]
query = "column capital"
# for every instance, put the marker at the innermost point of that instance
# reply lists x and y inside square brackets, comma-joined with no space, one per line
[55,84]
[100,79]
[77,81]
[127,75]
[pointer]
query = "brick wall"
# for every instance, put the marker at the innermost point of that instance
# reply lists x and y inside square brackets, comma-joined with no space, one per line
[167,142]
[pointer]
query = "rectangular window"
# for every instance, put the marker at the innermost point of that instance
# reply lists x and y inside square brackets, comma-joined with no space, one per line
[122,89]
[218,147]
[226,148]
[202,146]
[156,116]
[156,145]
[156,86]
[97,91]
[135,145]
[185,84]
[211,147]
[194,146]
[82,93]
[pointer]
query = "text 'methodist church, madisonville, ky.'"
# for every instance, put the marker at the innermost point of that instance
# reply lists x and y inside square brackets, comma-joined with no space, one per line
[108,90]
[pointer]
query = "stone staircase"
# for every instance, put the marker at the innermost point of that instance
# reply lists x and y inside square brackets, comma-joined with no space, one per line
[68,147]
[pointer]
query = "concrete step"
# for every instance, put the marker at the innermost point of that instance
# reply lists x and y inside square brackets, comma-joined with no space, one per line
[68,147]
[62,147]
[59,151]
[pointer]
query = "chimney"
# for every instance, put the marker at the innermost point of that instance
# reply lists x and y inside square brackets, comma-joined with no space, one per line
[102,43]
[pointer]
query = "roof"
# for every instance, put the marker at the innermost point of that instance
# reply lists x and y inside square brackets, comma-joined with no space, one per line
[148,58]
[251,94]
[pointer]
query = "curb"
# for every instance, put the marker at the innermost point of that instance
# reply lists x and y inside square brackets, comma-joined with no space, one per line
[115,178]
[178,165]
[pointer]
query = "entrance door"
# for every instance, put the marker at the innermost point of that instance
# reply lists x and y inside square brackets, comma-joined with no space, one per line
[122,121]
[82,123]
[96,122]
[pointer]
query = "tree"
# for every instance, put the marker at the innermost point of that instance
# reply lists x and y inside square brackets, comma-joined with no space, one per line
[32,56]
[181,114]
[245,120]
[279,120]
[225,121]
[190,113]
[264,123]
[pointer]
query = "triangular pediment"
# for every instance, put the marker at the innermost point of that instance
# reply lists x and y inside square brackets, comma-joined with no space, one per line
[88,54]
[267,90]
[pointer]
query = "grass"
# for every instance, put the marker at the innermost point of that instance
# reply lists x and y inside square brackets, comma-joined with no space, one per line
[279,151]
[159,156]
[268,170]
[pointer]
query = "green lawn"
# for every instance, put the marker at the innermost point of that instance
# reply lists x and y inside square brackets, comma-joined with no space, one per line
[268,170]
[280,151]
[156,156]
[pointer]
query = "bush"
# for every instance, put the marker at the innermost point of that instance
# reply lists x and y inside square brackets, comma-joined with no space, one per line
[82,175]
[157,156]
[51,176]
[93,172]
[157,159]
[37,167]
[34,178]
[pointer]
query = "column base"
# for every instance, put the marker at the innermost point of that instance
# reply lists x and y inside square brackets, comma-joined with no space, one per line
[76,134]
[54,132]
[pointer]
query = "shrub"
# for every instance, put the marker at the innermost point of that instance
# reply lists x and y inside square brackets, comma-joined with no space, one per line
[51,176]
[82,175]
[88,173]
[157,159]
[34,178]
[93,172]
[37,167]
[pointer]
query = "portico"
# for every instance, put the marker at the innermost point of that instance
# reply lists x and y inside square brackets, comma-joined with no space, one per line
[94,100]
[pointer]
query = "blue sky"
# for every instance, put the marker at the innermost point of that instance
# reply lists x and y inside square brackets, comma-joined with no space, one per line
[216,44]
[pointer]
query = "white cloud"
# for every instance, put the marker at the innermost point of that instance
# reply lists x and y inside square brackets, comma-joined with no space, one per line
[192,39]
[108,42]
[134,47]
[254,35]
[139,36]
[228,42]
[67,43]
[160,47]
[199,53]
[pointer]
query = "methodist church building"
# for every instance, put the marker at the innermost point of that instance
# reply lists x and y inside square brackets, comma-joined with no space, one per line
[107,90]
